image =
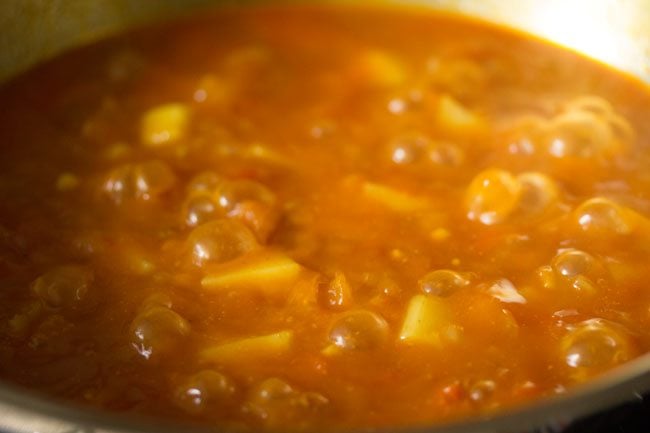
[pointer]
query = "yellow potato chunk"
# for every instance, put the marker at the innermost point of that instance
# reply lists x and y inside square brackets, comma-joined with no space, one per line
[265,346]
[264,154]
[454,117]
[380,69]
[428,321]
[269,273]
[164,124]
[392,198]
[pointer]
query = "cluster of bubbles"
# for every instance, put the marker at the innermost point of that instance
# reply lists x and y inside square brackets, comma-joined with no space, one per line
[495,196]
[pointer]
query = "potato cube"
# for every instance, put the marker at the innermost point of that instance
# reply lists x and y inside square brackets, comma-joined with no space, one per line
[454,117]
[392,198]
[380,69]
[428,321]
[251,348]
[164,124]
[269,273]
[264,154]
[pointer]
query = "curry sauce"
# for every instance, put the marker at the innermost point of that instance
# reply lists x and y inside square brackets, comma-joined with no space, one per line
[321,217]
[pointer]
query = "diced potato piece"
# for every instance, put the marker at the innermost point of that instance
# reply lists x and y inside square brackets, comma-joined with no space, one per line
[262,153]
[269,273]
[380,69]
[265,346]
[392,198]
[454,117]
[428,321]
[164,124]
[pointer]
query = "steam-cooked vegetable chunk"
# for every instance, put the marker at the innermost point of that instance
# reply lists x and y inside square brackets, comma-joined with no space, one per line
[268,272]
[428,321]
[392,198]
[265,346]
[164,124]
[454,117]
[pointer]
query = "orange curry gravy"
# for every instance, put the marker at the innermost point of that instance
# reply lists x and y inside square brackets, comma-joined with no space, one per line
[321,217]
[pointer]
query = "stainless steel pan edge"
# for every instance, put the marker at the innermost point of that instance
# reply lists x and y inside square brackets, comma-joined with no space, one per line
[23,412]
[612,31]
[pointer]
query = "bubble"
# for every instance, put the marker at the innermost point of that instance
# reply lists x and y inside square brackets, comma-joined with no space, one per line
[277,404]
[575,270]
[204,389]
[602,216]
[446,154]
[153,178]
[619,127]
[578,134]
[538,194]
[359,330]
[206,181]
[408,149]
[582,284]
[251,203]
[492,196]
[589,103]
[200,208]
[572,262]
[65,288]
[273,389]
[442,282]
[157,330]
[588,128]
[233,193]
[595,345]
[219,241]
[145,181]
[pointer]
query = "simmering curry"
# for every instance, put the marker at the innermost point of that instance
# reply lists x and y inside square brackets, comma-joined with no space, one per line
[302,217]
